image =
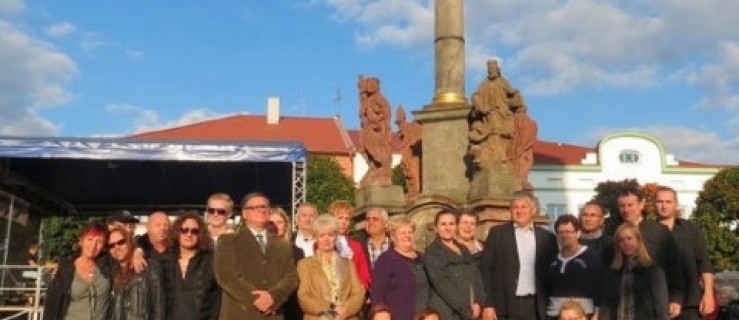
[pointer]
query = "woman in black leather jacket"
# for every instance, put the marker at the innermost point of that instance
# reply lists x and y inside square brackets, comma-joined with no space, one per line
[193,291]
[136,296]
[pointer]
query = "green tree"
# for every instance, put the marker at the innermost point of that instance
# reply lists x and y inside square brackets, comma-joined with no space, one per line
[326,182]
[60,234]
[717,214]
[398,177]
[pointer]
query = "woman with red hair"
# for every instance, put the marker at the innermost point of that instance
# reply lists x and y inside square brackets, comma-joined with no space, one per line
[81,286]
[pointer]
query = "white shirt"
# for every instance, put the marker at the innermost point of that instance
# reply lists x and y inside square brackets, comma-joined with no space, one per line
[526,245]
[305,244]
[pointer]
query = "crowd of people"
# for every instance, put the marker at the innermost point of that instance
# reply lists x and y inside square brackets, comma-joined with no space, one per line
[199,267]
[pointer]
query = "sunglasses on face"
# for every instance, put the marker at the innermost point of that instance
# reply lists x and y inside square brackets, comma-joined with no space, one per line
[114,244]
[191,231]
[218,211]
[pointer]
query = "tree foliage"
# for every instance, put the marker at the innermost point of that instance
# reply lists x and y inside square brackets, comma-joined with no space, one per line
[717,214]
[60,234]
[398,177]
[326,182]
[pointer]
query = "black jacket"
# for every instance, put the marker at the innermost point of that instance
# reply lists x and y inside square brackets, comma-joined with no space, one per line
[58,292]
[143,298]
[500,268]
[455,281]
[197,296]
[649,292]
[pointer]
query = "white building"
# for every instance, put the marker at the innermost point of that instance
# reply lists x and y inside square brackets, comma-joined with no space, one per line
[565,176]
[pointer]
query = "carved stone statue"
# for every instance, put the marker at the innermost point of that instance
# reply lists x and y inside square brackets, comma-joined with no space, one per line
[375,134]
[522,149]
[491,119]
[410,137]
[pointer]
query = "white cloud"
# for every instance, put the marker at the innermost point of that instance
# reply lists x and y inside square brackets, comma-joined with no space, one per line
[135,54]
[34,76]
[558,46]
[394,22]
[60,30]
[149,119]
[92,41]
[720,79]
[12,6]
[687,144]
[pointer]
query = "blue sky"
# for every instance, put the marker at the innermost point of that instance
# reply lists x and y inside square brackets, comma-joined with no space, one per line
[587,68]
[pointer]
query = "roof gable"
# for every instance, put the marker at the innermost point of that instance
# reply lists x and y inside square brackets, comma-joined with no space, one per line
[319,135]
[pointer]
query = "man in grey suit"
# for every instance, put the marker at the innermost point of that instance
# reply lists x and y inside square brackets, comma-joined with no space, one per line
[514,263]
[255,270]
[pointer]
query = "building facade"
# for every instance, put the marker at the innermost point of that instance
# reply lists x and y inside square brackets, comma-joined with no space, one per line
[565,176]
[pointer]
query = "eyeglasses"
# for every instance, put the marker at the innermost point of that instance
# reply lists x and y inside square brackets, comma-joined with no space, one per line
[257,207]
[218,211]
[191,231]
[114,244]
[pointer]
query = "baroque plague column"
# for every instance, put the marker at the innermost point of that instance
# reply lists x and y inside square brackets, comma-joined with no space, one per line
[444,120]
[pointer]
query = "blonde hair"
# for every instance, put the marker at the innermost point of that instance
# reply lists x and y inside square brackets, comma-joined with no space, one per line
[397,221]
[223,197]
[288,224]
[340,205]
[642,255]
[572,305]
[326,221]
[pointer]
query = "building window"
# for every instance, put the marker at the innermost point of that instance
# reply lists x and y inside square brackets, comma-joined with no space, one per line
[554,210]
[629,156]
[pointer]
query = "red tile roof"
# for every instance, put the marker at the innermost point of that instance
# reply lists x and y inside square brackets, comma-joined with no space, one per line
[546,152]
[319,135]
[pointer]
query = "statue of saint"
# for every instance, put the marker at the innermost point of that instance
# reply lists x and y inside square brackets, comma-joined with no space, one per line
[491,119]
[410,138]
[375,133]
[522,148]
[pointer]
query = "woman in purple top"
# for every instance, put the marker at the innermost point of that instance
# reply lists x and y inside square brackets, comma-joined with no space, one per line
[399,280]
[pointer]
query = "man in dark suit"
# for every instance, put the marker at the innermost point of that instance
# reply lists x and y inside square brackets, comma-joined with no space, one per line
[660,244]
[255,270]
[697,268]
[514,263]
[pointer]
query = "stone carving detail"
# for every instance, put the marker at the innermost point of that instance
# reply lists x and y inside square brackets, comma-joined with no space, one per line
[375,133]
[501,135]
[524,137]
[410,139]
[491,119]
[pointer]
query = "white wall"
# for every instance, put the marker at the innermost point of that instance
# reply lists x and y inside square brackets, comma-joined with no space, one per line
[573,185]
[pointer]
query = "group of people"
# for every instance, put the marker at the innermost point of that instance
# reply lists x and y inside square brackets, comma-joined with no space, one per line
[200,268]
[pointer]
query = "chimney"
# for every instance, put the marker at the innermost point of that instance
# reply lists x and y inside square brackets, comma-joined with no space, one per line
[273,110]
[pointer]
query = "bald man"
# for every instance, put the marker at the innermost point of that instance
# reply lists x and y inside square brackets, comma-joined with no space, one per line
[155,243]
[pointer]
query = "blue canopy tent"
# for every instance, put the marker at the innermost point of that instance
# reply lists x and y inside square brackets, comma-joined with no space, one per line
[99,175]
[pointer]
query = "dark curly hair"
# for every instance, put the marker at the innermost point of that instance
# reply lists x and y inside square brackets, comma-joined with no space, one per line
[205,243]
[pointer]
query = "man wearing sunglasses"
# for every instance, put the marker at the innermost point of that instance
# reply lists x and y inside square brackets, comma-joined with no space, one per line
[218,211]
[255,270]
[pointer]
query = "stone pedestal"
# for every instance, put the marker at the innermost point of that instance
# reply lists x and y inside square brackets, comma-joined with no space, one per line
[497,182]
[445,143]
[390,198]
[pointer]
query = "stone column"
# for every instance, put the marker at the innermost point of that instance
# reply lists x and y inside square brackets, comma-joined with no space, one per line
[444,121]
[449,51]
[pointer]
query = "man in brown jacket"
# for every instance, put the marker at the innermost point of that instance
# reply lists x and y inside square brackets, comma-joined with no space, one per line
[255,270]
